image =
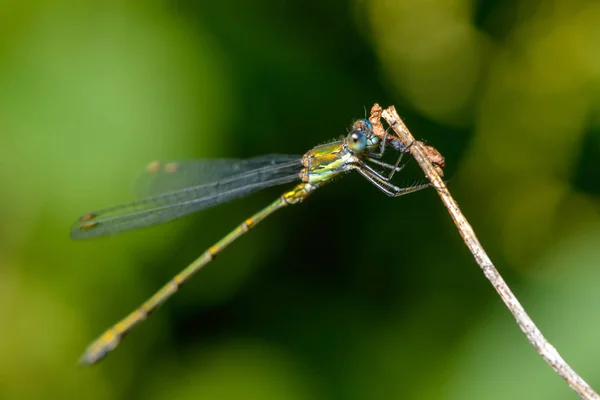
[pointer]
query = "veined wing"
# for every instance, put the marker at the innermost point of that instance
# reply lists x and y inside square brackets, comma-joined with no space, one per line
[161,177]
[182,188]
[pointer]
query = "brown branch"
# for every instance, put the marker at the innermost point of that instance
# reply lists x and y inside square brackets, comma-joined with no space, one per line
[428,164]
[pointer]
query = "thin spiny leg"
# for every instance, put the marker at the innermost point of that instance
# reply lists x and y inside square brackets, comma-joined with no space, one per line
[370,170]
[376,183]
[385,165]
[396,166]
[388,188]
[393,168]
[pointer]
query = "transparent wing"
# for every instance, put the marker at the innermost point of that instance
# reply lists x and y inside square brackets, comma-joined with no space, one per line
[161,177]
[181,188]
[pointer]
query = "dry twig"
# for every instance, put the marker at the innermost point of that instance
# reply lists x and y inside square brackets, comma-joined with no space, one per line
[427,161]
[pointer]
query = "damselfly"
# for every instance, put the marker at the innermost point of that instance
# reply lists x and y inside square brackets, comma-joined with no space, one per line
[182,188]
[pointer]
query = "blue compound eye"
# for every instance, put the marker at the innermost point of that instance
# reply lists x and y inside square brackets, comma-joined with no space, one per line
[356,140]
[367,124]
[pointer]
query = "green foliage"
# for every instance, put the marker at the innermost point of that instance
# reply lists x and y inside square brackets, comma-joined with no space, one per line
[350,295]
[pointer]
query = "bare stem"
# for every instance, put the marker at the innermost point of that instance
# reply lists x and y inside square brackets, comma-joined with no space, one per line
[543,347]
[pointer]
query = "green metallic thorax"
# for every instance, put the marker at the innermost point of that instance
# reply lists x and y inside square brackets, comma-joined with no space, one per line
[326,161]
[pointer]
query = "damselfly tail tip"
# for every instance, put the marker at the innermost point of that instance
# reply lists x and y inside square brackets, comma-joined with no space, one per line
[96,351]
[89,357]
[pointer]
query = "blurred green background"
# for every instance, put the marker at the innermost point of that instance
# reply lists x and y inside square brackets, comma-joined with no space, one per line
[350,295]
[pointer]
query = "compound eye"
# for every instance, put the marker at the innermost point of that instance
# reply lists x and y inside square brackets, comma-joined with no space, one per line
[357,141]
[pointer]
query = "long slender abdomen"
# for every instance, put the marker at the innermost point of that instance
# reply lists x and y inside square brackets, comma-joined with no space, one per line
[113,336]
